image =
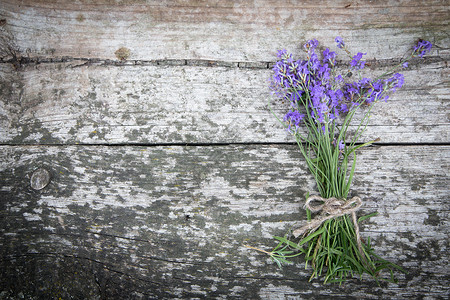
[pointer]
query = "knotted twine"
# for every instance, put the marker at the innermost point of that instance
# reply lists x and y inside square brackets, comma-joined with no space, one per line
[331,208]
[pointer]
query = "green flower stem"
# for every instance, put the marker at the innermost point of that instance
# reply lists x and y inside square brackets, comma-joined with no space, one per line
[331,250]
[335,247]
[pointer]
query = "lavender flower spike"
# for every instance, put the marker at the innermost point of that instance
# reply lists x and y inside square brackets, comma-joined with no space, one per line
[356,60]
[422,48]
[339,41]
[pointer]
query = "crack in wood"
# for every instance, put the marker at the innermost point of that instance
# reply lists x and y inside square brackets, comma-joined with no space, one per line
[82,61]
[157,62]
[132,144]
[64,255]
[131,239]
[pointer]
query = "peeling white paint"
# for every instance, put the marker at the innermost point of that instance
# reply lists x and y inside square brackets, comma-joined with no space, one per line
[278,292]
[32,217]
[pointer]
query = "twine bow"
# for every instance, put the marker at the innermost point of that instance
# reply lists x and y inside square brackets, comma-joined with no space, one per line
[331,208]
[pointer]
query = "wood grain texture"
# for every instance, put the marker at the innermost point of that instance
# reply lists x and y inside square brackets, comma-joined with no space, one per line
[181,163]
[172,221]
[65,104]
[220,30]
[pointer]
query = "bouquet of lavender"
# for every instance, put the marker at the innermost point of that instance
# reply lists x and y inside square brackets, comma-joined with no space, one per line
[322,106]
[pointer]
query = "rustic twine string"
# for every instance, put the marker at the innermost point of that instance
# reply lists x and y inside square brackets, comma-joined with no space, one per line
[331,208]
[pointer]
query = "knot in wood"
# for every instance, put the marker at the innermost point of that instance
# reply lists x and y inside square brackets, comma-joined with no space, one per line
[40,179]
[122,53]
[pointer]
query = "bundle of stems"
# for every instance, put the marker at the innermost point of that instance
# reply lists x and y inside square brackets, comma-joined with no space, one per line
[318,99]
[332,248]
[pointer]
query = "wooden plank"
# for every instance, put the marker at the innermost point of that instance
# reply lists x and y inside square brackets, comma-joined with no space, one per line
[137,222]
[217,30]
[65,103]
[142,222]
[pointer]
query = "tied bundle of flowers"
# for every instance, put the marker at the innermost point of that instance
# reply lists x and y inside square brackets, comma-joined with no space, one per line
[322,106]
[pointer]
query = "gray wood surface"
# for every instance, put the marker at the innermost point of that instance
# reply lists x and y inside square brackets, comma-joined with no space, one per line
[173,221]
[60,103]
[164,159]
[220,30]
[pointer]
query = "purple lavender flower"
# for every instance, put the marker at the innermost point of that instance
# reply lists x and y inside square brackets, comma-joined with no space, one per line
[344,108]
[405,65]
[311,45]
[311,85]
[281,53]
[332,95]
[314,61]
[400,79]
[290,60]
[329,56]
[339,94]
[341,145]
[356,60]
[295,97]
[293,117]
[317,91]
[324,72]
[378,90]
[340,42]
[363,82]
[350,90]
[397,81]
[279,76]
[304,68]
[422,48]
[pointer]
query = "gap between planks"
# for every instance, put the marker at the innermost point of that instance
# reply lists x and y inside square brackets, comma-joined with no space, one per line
[379,144]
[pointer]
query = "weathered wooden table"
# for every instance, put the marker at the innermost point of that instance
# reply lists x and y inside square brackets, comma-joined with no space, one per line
[151,120]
